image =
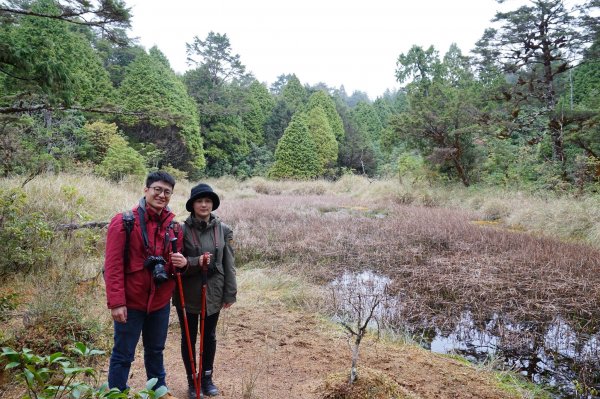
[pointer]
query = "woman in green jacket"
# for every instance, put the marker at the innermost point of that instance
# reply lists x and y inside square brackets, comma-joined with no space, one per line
[204,232]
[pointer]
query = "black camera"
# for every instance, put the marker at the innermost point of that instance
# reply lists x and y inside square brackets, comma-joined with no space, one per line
[156,265]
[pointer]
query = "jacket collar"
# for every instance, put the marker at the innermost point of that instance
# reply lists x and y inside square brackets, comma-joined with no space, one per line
[201,224]
[150,214]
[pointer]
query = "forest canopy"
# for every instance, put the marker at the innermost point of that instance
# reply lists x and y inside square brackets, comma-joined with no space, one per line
[521,109]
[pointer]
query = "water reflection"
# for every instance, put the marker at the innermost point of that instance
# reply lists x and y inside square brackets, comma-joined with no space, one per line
[551,352]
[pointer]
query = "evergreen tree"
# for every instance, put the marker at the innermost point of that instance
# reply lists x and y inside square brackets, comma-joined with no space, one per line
[324,100]
[277,86]
[231,113]
[259,104]
[296,156]
[319,128]
[442,120]
[276,123]
[170,118]
[47,63]
[366,119]
[536,44]
[109,17]
[356,151]
[294,94]
[226,146]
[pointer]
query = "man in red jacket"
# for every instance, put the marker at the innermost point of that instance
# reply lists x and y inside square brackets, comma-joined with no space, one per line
[139,283]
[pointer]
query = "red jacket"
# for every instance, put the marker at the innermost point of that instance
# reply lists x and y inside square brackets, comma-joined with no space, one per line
[135,287]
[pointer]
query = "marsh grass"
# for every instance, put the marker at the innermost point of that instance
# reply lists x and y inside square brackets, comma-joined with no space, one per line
[281,285]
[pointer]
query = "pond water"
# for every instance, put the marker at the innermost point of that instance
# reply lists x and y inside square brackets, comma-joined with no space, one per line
[553,353]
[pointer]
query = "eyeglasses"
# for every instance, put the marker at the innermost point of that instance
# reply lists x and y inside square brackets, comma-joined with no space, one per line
[160,190]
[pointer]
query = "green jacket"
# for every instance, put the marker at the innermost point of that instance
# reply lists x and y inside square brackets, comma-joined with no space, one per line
[200,237]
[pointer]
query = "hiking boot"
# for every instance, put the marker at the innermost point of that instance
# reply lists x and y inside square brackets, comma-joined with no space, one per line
[192,392]
[208,387]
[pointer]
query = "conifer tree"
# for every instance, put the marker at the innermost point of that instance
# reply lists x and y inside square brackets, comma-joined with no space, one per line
[293,93]
[259,105]
[296,156]
[324,100]
[327,146]
[171,119]
[49,63]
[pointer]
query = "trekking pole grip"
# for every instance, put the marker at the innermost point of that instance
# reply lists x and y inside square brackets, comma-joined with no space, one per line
[205,257]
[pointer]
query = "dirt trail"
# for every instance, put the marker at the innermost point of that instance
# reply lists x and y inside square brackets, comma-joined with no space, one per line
[269,351]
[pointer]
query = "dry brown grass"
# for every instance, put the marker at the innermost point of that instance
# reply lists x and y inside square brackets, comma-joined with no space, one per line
[370,384]
[439,259]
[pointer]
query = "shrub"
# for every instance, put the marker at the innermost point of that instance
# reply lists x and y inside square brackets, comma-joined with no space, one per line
[24,236]
[121,160]
[179,175]
[60,376]
[100,135]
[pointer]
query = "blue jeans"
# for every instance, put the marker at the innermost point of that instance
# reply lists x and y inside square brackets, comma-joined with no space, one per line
[153,328]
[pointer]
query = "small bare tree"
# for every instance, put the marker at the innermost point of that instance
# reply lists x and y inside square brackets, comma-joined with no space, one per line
[356,300]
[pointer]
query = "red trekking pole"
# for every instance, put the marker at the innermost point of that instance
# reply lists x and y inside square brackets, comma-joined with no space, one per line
[204,271]
[195,376]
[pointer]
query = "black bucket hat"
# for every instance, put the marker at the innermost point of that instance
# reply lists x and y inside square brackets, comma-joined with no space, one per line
[202,190]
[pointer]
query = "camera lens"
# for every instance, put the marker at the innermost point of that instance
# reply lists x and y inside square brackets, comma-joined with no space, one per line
[160,274]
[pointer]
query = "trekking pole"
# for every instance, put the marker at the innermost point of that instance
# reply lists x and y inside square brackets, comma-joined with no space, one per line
[195,377]
[204,271]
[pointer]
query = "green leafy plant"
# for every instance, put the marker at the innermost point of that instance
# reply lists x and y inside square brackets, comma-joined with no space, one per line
[58,376]
[121,160]
[24,236]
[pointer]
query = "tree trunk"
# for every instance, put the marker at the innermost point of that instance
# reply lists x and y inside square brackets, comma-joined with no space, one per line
[461,172]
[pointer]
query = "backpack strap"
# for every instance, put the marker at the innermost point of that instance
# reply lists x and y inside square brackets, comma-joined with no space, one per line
[128,222]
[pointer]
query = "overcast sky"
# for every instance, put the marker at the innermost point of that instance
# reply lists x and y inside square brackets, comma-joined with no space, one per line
[354,43]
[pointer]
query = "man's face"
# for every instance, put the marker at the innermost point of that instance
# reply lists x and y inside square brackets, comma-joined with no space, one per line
[158,195]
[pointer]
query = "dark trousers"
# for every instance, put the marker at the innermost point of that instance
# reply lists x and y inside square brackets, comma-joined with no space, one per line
[210,341]
[153,328]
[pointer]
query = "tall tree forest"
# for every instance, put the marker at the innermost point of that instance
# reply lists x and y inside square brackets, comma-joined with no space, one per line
[521,109]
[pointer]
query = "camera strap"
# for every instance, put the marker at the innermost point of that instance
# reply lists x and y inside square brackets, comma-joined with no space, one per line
[142,219]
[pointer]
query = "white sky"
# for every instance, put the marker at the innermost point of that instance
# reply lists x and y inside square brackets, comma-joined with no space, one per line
[339,42]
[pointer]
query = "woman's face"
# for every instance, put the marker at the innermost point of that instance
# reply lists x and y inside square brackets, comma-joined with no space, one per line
[202,208]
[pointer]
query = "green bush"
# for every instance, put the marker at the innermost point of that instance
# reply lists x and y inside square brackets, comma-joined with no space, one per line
[179,175]
[24,236]
[60,376]
[100,136]
[121,160]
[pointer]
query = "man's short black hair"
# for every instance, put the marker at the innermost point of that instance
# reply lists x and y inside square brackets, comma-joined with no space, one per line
[160,175]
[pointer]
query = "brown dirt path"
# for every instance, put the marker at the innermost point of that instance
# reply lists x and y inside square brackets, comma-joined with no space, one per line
[269,351]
